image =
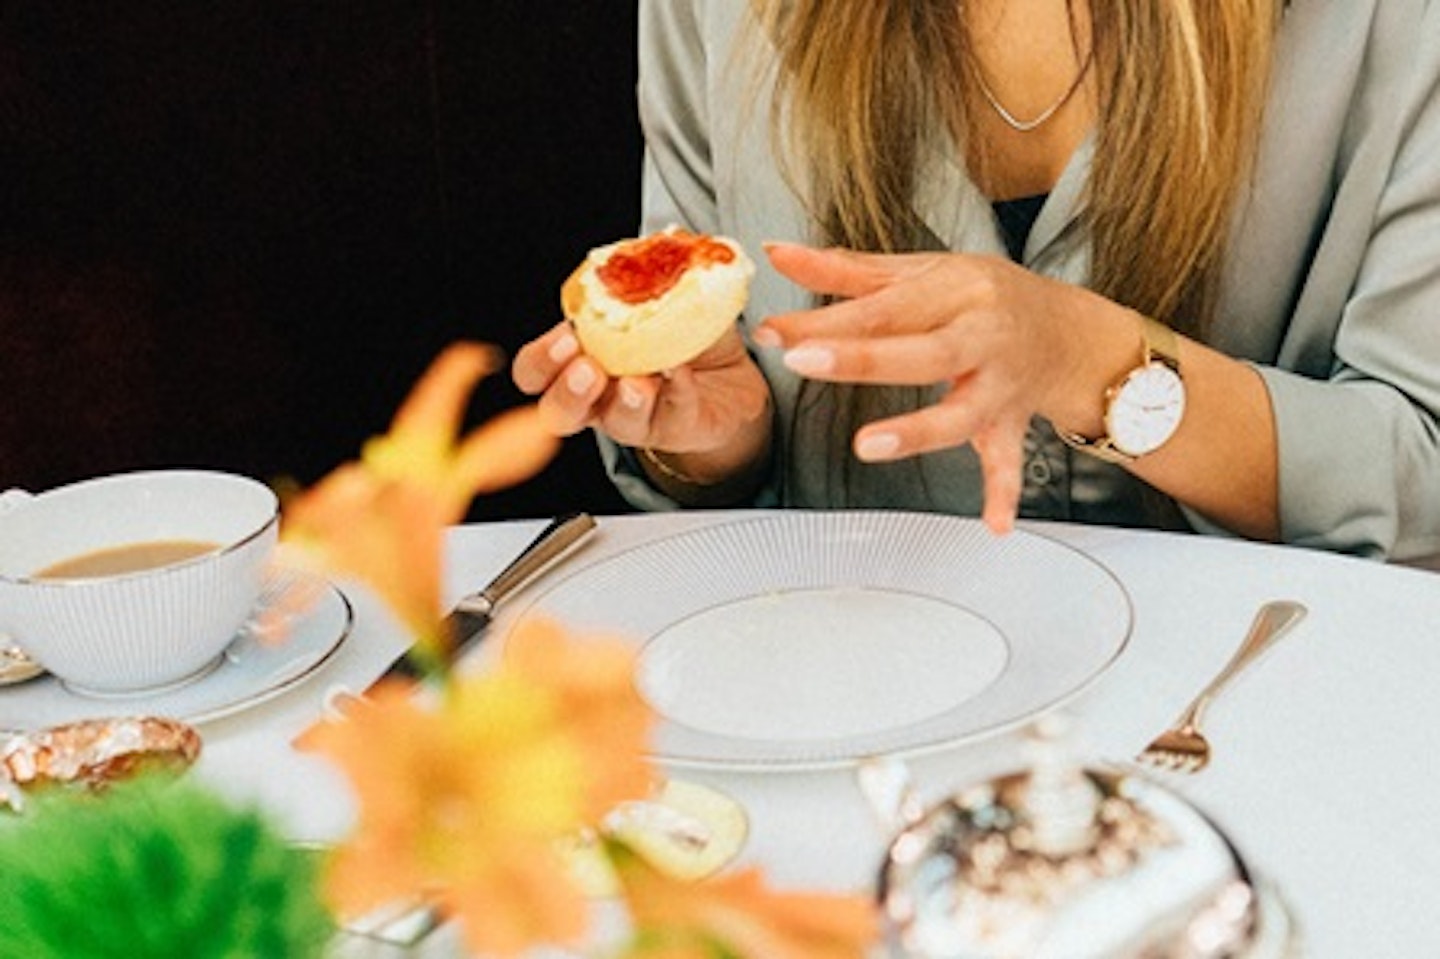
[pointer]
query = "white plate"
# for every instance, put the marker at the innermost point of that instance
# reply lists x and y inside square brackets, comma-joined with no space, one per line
[813,638]
[298,624]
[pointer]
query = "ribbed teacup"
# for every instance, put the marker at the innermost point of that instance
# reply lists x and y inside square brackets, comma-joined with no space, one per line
[142,629]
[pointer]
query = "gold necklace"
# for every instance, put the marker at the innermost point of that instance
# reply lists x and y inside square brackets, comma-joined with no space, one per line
[1025,126]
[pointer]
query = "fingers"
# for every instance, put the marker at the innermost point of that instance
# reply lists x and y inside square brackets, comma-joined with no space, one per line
[834,272]
[1002,455]
[576,393]
[568,406]
[959,418]
[951,422]
[889,312]
[538,362]
[568,383]
[695,406]
[913,320]
[891,295]
[626,415]
[663,410]
[912,360]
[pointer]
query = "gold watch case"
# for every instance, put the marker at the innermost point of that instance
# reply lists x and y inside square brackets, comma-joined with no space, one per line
[1144,408]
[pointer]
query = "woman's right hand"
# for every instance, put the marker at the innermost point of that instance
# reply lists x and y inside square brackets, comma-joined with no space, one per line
[710,416]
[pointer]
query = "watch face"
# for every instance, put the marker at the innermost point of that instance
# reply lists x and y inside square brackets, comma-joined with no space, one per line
[1146,409]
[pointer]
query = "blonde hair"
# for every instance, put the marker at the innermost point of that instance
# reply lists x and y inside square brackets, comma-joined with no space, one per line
[862,85]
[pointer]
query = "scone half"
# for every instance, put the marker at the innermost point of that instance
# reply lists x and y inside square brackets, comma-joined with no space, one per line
[656,302]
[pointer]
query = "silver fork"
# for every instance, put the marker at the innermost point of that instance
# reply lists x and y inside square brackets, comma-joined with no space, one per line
[1182,747]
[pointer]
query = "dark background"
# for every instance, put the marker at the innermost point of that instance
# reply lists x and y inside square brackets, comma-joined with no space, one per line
[232,234]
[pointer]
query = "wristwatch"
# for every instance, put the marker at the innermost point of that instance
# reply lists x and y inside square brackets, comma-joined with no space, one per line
[1143,409]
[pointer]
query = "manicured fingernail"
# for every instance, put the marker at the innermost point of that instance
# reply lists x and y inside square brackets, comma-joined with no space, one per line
[810,360]
[580,378]
[764,336]
[564,348]
[877,446]
[631,397]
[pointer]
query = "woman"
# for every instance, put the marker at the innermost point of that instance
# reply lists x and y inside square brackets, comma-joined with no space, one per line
[997,212]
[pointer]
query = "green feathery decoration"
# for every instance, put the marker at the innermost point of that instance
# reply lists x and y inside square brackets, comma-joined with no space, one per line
[154,869]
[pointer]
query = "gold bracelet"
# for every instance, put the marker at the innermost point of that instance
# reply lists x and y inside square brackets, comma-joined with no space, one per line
[692,492]
[668,471]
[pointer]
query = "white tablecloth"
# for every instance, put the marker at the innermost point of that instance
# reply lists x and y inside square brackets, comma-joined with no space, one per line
[1325,774]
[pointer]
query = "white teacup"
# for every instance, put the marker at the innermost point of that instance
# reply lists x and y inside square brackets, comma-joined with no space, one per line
[81,591]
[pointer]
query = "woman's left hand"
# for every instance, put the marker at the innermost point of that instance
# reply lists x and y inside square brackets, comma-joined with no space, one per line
[1007,342]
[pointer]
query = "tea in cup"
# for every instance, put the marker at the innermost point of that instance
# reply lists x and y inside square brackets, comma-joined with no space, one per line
[136,581]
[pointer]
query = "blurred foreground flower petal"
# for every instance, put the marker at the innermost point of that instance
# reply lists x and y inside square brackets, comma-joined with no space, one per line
[736,916]
[423,444]
[593,680]
[383,518]
[465,796]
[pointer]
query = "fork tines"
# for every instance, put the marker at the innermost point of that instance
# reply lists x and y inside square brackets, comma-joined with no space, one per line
[1177,750]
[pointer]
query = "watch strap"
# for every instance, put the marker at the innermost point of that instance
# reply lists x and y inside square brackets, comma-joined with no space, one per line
[1161,343]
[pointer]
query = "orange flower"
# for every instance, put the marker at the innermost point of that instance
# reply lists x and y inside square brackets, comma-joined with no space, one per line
[383,519]
[593,681]
[464,796]
[462,800]
[737,917]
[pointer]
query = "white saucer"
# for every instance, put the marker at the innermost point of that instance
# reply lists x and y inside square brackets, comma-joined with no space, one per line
[276,649]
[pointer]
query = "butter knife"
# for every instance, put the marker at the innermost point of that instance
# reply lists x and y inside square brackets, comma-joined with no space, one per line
[472,614]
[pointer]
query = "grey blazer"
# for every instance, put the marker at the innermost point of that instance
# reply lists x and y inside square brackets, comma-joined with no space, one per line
[1332,287]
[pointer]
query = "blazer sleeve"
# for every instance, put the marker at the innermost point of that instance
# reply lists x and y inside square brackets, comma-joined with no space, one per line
[1360,441]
